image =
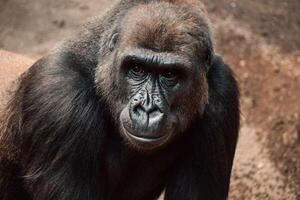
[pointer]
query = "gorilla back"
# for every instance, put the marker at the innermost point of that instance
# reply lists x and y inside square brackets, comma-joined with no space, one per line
[134,103]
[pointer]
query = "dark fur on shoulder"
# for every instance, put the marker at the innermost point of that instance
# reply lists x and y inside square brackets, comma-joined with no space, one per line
[60,132]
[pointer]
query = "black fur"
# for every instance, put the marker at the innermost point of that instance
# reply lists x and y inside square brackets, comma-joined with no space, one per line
[59,139]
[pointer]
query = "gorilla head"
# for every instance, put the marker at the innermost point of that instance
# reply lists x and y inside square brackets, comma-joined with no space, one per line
[161,54]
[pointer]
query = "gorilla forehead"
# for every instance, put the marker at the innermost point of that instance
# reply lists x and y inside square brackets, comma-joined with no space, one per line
[166,27]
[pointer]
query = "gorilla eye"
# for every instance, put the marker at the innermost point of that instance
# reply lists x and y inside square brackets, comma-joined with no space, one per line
[137,71]
[169,78]
[170,75]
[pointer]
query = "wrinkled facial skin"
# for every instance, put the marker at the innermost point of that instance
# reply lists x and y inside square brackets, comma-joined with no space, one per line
[152,86]
[157,82]
[163,94]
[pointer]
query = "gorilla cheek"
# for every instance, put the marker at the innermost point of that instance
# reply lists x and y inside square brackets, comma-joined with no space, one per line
[125,120]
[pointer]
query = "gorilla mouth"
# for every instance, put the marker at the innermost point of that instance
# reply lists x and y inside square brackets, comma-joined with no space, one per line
[144,139]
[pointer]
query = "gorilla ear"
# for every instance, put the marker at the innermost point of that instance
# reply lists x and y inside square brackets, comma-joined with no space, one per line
[113,41]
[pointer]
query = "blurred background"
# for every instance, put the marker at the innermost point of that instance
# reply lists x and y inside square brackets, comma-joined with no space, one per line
[260,39]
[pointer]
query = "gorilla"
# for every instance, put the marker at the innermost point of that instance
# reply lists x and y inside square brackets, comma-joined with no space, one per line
[134,103]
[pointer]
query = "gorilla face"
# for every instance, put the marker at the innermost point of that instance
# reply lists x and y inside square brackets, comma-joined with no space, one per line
[154,84]
[159,74]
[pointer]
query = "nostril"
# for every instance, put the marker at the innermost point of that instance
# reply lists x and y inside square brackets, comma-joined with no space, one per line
[155,118]
[138,110]
[155,113]
[151,111]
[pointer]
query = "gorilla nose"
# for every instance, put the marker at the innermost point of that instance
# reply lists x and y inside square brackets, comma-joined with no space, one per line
[147,117]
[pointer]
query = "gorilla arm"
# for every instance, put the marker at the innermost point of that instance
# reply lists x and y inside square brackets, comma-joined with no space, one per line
[52,111]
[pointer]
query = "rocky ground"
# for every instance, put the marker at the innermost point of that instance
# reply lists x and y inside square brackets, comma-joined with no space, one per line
[260,39]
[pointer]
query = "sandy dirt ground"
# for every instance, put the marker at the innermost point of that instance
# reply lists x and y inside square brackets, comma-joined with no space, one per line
[260,39]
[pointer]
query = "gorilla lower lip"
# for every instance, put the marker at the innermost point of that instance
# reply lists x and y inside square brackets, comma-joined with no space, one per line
[143,139]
